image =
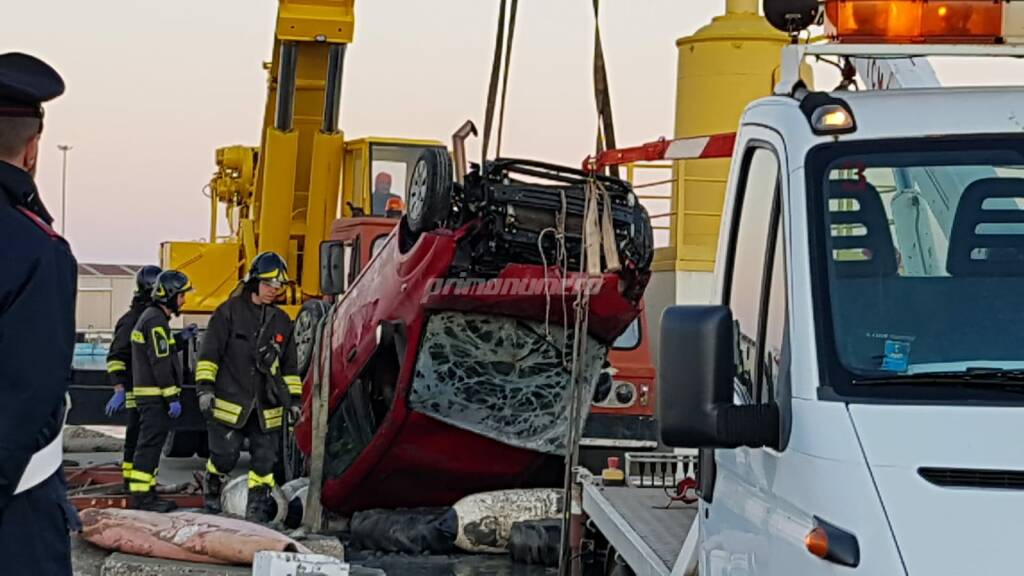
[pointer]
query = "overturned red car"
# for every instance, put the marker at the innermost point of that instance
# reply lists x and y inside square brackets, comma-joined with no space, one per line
[448,356]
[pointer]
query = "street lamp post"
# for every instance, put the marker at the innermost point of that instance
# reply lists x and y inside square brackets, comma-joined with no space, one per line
[64,148]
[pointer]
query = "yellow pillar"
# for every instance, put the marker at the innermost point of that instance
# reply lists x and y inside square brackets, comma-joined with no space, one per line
[325,177]
[721,68]
[738,6]
[275,204]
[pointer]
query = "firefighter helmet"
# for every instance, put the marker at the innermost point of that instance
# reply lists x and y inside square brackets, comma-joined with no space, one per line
[267,267]
[168,285]
[145,279]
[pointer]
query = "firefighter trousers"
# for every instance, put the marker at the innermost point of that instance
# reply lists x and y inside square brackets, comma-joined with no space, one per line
[131,439]
[154,424]
[226,446]
[35,530]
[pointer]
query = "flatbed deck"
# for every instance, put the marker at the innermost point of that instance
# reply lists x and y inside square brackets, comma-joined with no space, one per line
[648,536]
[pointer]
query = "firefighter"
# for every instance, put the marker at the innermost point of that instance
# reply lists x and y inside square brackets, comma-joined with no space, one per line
[37,335]
[248,384]
[119,364]
[156,378]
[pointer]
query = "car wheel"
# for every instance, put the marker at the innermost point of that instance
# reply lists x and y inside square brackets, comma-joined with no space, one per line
[430,191]
[644,238]
[304,333]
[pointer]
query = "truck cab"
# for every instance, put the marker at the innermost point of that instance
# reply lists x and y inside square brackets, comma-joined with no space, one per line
[855,385]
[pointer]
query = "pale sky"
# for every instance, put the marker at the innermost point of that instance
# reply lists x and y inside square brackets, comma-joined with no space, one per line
[155,87]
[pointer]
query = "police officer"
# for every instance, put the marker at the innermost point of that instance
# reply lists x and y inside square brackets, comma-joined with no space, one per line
[119,362]
[37,335]
[157,377]
[248,383]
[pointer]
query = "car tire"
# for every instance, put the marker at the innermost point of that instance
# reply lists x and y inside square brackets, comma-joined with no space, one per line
[644,243]
[430,191]
[307,324]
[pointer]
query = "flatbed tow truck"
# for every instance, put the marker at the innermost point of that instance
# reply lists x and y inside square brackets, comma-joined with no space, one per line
[813,389]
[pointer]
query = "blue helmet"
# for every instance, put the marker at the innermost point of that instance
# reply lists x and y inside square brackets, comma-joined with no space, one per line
[145,279]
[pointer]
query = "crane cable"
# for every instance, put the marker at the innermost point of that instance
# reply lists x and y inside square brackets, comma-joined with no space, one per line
[602,94]
[508,11]
[502,48]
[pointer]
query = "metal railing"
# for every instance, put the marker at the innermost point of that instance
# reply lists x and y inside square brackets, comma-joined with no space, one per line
[659,469]
[661,192]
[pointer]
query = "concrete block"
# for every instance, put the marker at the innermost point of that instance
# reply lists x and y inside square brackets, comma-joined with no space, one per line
[118,564]
[289,563]
[325,545]
[86,559]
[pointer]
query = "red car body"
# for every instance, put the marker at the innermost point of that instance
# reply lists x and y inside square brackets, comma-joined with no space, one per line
[414,459]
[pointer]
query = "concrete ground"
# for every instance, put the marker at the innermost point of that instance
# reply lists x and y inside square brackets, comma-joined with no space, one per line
[96,445]
[88,560]
[172,470]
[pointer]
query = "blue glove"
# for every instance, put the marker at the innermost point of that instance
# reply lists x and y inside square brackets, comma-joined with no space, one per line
[175,410]
[115,403]
[188,332]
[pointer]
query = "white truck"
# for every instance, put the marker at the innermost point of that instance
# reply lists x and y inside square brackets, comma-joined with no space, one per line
[855,386]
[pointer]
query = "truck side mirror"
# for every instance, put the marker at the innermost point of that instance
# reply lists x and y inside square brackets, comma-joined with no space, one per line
[332,268]
[695,389]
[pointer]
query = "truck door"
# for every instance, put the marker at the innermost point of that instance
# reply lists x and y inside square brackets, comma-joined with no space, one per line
[738,503]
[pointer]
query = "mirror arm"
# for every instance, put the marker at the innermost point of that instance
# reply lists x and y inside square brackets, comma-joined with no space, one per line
[748,425]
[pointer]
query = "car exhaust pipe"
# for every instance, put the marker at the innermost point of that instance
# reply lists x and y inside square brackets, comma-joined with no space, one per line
[459,149]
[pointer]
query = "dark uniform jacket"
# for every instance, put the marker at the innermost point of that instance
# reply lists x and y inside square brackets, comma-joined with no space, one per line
[247,359]
[156,365]
[37,326]
[119,357]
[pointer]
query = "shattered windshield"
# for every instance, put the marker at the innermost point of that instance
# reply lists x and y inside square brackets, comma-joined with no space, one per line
[924,255]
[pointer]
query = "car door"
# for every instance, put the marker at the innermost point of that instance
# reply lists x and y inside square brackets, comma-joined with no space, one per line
[736,490]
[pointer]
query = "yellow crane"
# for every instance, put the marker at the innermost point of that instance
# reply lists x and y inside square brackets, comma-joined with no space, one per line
[285,194]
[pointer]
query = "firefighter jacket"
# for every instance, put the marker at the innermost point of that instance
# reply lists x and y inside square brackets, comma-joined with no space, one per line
[247,359]
[37,327]
[156,364]
[119,357]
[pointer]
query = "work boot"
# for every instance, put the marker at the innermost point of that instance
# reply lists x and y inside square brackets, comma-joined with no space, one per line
[148,501]
[260,506]
[213,485]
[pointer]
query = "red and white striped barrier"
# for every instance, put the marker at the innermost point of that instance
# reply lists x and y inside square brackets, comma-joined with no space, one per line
[696,148]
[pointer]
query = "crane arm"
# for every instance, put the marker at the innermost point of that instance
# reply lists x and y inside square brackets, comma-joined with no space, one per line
[299,169]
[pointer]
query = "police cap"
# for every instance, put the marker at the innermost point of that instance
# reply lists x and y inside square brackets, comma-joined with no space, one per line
[25,83]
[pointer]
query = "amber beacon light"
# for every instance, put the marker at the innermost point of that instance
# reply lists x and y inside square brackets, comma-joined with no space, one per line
[924,21]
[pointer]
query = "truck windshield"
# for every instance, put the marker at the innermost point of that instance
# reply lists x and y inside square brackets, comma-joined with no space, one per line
[923,257]
[390,166]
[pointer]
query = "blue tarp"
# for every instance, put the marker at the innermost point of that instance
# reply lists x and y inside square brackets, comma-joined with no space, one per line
[90,356]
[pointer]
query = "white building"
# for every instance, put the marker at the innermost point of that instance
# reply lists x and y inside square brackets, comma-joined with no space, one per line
[104,293]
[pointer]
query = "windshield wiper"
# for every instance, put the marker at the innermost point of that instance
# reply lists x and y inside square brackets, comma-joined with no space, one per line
[970,376]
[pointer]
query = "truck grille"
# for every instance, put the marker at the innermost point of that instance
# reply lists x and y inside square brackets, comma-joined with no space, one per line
[974,478]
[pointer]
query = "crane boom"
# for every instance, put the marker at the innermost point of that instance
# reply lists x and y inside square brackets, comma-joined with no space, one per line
[298,175]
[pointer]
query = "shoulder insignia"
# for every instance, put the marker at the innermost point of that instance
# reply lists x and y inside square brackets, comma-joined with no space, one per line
[161,343]
[39,222]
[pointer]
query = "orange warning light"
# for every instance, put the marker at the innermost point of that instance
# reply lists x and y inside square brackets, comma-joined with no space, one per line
[914,21]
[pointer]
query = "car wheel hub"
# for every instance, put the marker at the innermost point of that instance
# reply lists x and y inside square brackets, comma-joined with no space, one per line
[418,190]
